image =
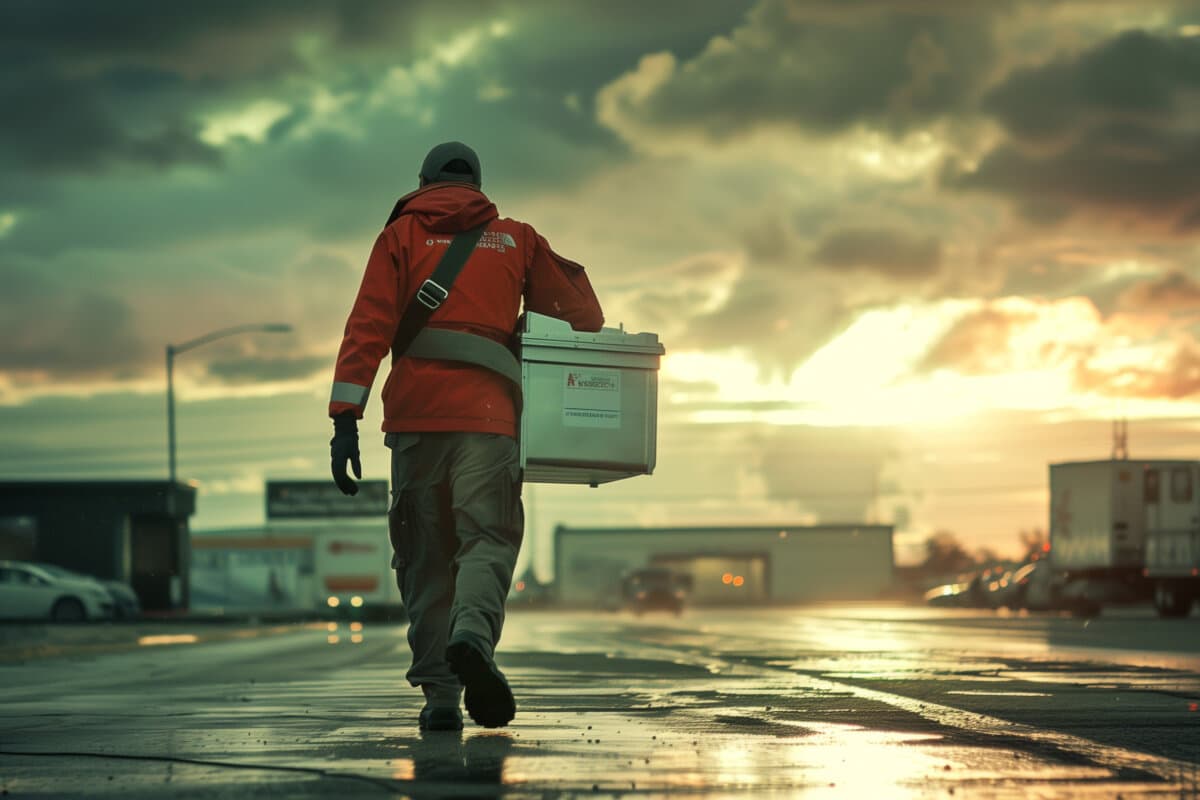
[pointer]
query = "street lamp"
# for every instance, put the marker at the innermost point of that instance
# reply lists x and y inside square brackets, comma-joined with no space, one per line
[173,349]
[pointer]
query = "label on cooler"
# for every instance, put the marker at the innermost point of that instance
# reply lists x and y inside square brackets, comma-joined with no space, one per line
[591,397]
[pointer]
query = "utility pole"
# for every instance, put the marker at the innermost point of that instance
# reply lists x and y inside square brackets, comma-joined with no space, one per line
[175,349]
[1120,445]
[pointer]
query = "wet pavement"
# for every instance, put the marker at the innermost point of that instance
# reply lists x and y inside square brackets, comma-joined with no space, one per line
[871,702]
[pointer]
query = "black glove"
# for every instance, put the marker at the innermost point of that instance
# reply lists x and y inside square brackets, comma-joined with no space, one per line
[343,447]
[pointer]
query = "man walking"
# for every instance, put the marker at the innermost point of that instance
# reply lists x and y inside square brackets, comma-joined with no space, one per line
[455,520]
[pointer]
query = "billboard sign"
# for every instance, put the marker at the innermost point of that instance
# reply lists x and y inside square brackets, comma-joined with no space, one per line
[322,499]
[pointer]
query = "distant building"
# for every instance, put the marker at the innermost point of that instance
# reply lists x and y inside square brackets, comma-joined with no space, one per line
[132,531]
[729,565]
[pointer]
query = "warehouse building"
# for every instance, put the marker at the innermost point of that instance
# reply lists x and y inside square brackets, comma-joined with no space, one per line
[728,565]
[130,531]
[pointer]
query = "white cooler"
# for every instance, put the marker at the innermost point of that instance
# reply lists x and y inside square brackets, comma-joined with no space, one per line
[591,402]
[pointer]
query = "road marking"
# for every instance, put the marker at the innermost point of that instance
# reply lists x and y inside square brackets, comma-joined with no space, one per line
[1117,759]
[167,638]
[977,693]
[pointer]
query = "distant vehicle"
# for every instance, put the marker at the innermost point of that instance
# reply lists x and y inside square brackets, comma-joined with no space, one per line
[1129,525]
[528,592]
[125,601]
[1001,590]
[1038,587]
[653,588]
[952,595]
[29,592]
[126,604]
[967,592]
[1035,586]
[340,569]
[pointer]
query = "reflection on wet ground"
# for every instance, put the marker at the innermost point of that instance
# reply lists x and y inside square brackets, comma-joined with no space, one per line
[750,704]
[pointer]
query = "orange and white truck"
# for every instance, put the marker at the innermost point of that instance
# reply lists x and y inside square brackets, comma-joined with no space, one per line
[318,550]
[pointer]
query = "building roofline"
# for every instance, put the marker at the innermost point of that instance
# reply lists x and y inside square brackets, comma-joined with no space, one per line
[775,529]
[1129,461]
[99,484]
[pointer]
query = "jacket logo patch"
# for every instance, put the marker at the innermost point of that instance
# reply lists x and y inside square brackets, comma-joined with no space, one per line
[492,240]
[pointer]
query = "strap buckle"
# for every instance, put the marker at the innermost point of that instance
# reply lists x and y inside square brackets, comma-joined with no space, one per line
[431,295]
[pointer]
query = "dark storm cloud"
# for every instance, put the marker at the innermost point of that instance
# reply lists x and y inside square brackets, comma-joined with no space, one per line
[94,86]
[1111,130]
[85,124]
[1137,76]
[247,370]
[115,323]
[893,65]
[87,87]
[561,49]
[47,326]
[337,180]
[892,253]
[159,240]
[220,37]
[1126,170]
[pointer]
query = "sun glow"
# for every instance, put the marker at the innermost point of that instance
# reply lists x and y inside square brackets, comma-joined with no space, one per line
[874,372]
[858,378]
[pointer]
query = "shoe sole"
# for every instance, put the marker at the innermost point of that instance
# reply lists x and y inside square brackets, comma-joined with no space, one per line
[440,724]
[486,694]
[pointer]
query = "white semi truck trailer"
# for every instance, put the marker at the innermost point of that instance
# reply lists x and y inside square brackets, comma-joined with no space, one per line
[1173,537]
[1133,523]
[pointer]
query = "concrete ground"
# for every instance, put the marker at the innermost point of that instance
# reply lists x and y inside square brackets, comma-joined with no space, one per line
[870,702]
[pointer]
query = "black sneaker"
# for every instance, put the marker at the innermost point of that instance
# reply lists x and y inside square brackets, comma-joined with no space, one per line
[440,718]
[486,695]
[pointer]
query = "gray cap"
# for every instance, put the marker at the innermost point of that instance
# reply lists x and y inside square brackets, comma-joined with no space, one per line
[432,169]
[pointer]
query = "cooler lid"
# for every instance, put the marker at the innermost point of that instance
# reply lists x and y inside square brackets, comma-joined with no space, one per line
[550,332]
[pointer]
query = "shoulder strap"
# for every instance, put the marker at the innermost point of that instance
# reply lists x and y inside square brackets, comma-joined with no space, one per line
[433,292]
[469,348]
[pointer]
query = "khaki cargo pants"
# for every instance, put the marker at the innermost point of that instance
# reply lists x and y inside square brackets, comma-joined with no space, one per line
[456,524]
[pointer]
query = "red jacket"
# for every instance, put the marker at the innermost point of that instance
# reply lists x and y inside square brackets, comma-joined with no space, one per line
[510,262]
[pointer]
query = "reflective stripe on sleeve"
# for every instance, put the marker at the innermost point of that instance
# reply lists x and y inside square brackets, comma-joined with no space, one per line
[348,393]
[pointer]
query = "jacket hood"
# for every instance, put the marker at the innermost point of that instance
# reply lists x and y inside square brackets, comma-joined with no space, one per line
[446,207]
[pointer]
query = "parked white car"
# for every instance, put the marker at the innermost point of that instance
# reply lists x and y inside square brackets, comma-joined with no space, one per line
[125,602]
[30,592]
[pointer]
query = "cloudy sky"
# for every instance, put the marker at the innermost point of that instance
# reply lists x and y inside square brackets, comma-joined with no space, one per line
[903,254]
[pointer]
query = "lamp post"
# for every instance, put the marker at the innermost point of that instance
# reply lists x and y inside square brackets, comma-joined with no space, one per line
[174,349]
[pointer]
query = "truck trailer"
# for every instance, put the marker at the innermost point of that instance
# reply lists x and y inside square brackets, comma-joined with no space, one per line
[1172,497]
[339,569]
[1112,524]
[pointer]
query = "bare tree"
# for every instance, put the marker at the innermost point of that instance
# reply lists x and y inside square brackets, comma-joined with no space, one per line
[944,554]
[1034,543]
[986,555]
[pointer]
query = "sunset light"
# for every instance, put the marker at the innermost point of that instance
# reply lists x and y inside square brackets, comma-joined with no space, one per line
[729,399]
[875,372]
[853,266]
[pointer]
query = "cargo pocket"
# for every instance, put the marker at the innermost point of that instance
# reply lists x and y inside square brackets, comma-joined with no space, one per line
[400,529]
[400,510]
[513,511]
